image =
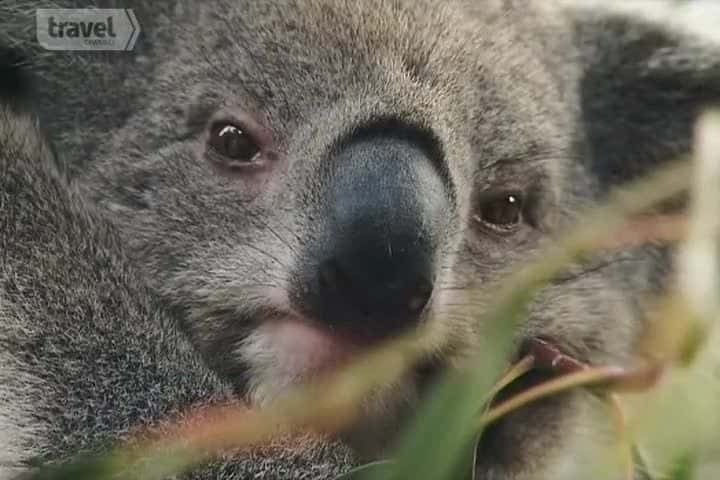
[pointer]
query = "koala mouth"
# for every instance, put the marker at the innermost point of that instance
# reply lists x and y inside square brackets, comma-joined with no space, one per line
[547,357]
[537,361]
[542,370]
[540,361]
[309,350]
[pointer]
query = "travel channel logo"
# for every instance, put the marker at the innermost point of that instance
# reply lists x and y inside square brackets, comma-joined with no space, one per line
[87,29]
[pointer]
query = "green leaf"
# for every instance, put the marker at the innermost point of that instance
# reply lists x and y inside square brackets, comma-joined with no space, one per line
[442,442]
[684,469]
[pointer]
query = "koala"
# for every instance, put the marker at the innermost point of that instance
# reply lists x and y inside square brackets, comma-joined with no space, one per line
[87,356]
[300,181]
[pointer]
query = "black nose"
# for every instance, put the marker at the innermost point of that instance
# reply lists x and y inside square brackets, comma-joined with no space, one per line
[371,267]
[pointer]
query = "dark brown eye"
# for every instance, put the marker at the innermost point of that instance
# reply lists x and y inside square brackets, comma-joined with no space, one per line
[503,211]
[233,143]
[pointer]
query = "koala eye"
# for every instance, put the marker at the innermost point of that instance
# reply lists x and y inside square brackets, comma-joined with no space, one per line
[233,143]
[501,211]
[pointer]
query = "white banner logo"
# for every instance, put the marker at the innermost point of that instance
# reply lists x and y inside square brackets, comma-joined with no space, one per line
[87,29]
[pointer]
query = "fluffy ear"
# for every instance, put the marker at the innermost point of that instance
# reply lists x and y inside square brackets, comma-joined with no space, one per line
[649,69]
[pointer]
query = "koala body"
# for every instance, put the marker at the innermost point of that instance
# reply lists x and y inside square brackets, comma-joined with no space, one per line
[297,181]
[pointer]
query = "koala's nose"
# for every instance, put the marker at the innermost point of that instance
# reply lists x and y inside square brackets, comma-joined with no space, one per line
[384,212]
[374,284]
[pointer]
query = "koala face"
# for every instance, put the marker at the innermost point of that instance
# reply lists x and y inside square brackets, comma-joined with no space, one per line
[307,179]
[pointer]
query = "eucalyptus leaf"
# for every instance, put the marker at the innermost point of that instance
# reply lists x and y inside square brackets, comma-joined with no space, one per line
[442,442]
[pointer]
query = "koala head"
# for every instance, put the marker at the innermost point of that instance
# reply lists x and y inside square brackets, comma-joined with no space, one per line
[307,179]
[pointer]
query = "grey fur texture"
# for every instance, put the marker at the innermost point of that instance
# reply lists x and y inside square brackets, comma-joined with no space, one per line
[86,355]
[526,96]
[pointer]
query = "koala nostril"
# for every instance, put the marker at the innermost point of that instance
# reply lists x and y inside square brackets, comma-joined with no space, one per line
[417,303]
[332,278]
[327,276]
[374,290]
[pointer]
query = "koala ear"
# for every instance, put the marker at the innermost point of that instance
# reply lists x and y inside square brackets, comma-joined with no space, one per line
[648,70]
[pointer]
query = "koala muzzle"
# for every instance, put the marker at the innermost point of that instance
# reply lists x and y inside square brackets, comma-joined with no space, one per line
[371,269]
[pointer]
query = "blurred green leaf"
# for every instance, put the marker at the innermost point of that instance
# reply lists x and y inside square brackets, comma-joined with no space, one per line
[684,468]
[442,442]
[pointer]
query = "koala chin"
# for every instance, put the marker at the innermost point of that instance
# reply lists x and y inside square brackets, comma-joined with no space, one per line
[301,181]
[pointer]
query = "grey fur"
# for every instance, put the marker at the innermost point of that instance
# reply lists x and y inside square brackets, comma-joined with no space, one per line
[519,94]
[86,355]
